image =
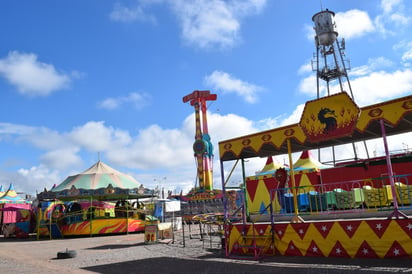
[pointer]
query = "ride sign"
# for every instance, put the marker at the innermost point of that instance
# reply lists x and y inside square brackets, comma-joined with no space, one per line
[329,117]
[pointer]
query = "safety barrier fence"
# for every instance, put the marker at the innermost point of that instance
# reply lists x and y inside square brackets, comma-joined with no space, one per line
[256,236]
[374,194]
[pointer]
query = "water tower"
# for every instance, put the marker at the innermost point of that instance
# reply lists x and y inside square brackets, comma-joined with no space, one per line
[329,62]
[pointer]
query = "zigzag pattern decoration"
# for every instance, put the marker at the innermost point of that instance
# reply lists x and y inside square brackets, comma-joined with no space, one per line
[345,238]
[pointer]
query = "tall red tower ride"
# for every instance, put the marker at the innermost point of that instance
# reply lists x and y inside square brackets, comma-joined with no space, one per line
[202,147]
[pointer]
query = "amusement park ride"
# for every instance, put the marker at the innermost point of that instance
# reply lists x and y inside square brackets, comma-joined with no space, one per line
[362,207]
[203,199]
[202,146]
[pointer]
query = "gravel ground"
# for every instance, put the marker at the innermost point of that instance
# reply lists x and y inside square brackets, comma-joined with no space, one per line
[129,254]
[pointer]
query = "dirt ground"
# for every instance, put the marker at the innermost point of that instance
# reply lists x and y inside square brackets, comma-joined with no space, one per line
[129,254]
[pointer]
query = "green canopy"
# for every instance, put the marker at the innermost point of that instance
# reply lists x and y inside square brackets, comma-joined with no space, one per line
[100,181]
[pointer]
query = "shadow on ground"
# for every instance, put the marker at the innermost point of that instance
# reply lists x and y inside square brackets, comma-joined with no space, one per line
[288,265]
[176,265]
[115,246]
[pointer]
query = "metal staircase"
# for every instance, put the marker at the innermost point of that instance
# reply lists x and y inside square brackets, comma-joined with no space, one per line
[251,243]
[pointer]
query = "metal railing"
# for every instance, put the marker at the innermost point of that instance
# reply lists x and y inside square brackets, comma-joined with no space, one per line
[367,195]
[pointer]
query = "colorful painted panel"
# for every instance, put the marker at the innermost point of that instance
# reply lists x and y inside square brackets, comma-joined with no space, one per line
[258,194]
[103,226]
[329,117]
[251,144]
[272,142]
[345,238]
[392,112]
[261,190]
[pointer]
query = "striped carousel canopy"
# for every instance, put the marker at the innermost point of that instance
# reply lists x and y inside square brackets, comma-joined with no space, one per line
[100,181]
[98,176]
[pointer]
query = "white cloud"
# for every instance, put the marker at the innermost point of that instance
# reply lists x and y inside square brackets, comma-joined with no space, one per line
[405,49]
[393,17]
[308,86]
[36,178]
[204,23]
[294,117]
[121,13]
[305,68]
[400,19]
[109,103]
[381,85]
[208,23]
[39,137]
[9,129]
[155,148]
[360,71]
[228,126]
[396,143]
[62,158]
[407,56]
[388,5]
[379,63]
[353,23]
[247,7]
[373,65]
[30,76]
[96,137]
[137,100]
[278,121]
[225,82]
[368,86]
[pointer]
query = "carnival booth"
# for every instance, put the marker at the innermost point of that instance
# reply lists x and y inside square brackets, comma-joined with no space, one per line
[16,214]
[100,200]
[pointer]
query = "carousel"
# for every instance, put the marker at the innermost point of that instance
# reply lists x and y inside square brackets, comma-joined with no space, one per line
[98,201]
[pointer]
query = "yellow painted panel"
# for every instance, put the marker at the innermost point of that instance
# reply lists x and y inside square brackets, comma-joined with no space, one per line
[392,112]
[329,117]
[276,138]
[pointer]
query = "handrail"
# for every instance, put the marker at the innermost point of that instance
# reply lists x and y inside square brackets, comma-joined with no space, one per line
[366,195]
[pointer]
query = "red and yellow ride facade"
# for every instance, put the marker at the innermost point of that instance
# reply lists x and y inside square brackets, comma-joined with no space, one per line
[357,209]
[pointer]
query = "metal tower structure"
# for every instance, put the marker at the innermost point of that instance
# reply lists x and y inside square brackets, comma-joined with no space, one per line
[202,147]
[329,62]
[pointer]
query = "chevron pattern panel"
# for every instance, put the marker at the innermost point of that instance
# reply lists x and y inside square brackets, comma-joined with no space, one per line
[378,238]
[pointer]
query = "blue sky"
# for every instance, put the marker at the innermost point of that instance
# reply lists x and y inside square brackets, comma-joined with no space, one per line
[79,79]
